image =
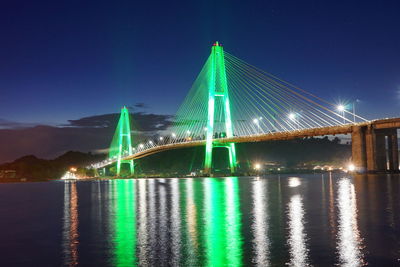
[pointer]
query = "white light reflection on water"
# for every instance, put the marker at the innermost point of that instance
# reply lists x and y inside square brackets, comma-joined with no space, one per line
[175,223]
[152,220]
[297,236]
[260,226]
[294,181]
[349,240]
[191,224]
[143,237]
[70,224]
[162,218]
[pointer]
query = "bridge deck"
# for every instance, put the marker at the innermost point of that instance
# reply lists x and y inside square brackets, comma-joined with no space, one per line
[331,130]
[381,124]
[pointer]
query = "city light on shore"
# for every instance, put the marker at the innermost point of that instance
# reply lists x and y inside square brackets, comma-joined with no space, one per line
[351,167]
[257,166]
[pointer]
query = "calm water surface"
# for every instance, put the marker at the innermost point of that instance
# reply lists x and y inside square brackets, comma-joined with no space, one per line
[295,220]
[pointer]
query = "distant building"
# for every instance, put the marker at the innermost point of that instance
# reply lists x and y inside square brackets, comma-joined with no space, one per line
[8,174]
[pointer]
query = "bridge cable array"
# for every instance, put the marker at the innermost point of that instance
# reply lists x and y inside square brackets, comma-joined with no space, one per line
[260,103]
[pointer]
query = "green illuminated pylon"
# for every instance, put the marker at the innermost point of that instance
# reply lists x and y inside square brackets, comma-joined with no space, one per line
[122,143]
[218,87]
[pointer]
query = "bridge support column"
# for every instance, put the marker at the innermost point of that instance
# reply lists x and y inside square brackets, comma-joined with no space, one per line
[218,94]
[376,150]
[393,152]
[370,149]
[381,155]
[380,151]
[358,149]
[121,145]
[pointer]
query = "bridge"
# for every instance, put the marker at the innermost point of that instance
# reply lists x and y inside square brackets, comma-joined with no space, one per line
[234,102]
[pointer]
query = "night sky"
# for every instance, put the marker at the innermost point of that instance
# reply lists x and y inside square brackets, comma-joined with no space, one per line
[65,60]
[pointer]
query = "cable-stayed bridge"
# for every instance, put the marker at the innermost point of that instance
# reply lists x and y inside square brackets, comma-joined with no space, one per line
[232,101]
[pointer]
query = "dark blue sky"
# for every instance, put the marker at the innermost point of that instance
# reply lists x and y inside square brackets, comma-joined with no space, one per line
[63,60]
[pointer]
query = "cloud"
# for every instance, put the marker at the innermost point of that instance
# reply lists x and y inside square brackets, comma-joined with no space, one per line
[149,122]
[98,121]
[141,122]
[140,105]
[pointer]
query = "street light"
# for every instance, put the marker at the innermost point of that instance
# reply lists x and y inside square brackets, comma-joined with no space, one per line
[351,167]
[292,116]
[256,121]
[341,108]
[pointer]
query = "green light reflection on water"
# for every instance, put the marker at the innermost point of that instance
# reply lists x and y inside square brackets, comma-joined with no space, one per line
[124,223]
[212,235]
[222,217]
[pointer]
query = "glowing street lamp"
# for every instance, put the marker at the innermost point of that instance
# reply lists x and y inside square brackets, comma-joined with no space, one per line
[141,145]
[351,167]
[256,121]
[173,135]
[341,108]
[293,117]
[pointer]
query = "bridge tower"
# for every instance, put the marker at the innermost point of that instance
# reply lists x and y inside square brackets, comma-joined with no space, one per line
[122,143]
[218,88]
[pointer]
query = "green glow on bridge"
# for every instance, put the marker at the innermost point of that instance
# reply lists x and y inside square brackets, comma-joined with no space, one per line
[218,87]
[230,99]
[122,144]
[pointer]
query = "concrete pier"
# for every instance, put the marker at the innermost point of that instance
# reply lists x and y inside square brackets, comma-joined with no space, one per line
[359,157]
[374,149]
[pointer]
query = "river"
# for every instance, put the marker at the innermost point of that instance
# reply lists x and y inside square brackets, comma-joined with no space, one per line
[277,220]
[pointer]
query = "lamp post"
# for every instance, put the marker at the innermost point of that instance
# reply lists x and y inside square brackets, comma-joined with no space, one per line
[354,109]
